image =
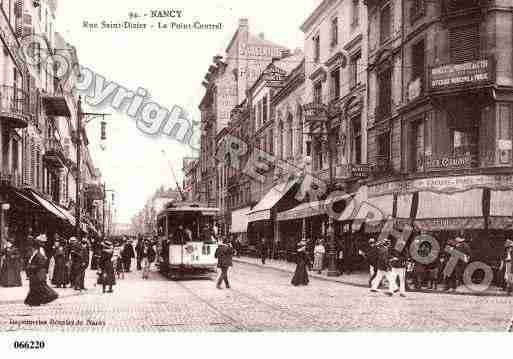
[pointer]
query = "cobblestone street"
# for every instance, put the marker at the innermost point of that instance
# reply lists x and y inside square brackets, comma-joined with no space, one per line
[260,299]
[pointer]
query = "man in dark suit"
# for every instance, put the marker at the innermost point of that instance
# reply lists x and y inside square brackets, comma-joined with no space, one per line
[84,258]
[224,255]
[138,252]
[127,254]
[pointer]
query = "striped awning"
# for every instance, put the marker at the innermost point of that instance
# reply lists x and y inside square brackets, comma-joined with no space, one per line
[262,211]
[501,210]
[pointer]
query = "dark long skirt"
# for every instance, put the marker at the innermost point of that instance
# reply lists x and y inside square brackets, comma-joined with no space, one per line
[40,293]
[107,275]
[60,272]
[301,274]
[10,274]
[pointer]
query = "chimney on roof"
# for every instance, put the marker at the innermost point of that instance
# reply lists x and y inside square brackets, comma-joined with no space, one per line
[261,35]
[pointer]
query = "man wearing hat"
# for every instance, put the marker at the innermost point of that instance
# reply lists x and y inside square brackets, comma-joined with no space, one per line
[84,263]
[224,253]
[107,275]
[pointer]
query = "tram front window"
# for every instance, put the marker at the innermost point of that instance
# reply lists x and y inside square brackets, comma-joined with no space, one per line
[183,228]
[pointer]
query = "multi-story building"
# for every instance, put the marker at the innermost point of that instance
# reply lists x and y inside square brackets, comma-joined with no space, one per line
[335,110]
[440,114]
[38,125]
[191,175]
[226,83]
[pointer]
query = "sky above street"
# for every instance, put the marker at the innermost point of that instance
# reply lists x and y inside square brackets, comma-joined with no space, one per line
[171,66]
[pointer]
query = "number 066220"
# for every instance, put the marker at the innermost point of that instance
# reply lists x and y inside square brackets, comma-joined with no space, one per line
[29,344]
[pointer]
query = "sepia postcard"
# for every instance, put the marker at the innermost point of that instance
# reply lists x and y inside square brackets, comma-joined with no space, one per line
[255,166]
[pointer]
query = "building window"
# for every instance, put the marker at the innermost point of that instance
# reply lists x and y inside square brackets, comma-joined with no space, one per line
[385,93]
[356,13]
[290,137]
[417,9]
[383,149]
[335,84]
[300,129]
[271,141]
[334,32]
[308,148]
[264,110]
[356,69]
[416,146]
[317,48]
[418,61]
[280,139]
[385,23]
[356,144]
[317,92]
[464,43]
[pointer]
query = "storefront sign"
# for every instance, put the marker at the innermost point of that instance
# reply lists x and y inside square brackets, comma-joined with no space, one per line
[453,75]
[274,76]
[445,224]
[447,162]
[443,184]
[360,171]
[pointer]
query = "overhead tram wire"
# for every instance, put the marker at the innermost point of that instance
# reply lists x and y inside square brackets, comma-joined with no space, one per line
[174,176]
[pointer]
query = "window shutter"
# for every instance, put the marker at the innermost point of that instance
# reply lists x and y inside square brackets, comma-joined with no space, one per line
[464,43]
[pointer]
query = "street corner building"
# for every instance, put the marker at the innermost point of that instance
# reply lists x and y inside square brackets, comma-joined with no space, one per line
[43,149]
[403,105]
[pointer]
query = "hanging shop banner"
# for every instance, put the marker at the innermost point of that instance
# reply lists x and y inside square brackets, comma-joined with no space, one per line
[455,75]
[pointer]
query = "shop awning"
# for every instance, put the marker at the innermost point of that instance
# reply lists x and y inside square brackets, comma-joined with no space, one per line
[240,220]
[262,211]
[49,206]
[442,211]
[501,210]
[314,208]
[372,212]
[21,201]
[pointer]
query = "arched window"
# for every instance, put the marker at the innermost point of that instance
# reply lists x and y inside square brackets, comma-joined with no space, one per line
[290,136]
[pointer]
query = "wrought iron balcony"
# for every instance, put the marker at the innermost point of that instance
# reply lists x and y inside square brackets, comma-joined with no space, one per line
[54,154]
[14,106]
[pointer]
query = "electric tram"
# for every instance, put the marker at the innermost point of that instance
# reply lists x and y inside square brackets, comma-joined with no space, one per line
[186,244]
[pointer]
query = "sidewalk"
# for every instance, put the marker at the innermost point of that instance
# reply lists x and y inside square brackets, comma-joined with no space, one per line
[357,279]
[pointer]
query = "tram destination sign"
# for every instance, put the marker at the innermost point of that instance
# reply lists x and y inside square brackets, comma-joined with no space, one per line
[456,75]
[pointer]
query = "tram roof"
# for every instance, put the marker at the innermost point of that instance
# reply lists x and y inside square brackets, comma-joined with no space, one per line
[176,207]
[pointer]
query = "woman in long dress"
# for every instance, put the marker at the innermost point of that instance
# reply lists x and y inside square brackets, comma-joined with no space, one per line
[39,291]
[319,251]
[60,271]
[301,275]
[507,266]
[107,275]
[10,275]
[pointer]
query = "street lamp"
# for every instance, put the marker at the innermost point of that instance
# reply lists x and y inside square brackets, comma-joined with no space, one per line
[317,112]
[80,116]
[104,197]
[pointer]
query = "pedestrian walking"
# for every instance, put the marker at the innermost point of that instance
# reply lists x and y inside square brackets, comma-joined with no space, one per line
[148,255]
[76,263]
[224,254]
[383,269]
[107,277]
[128,253]
[10,272]
[507,266]
[398,271]
[371,255]
[60,270]
[39,291]
[138,252]
[263,249]
[319,252]
[84,257]
[454,279]
[118,262]
[301,274]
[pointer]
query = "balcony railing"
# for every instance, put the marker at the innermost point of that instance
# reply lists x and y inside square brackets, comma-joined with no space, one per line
[14,106]
[55,153]
[10,178]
